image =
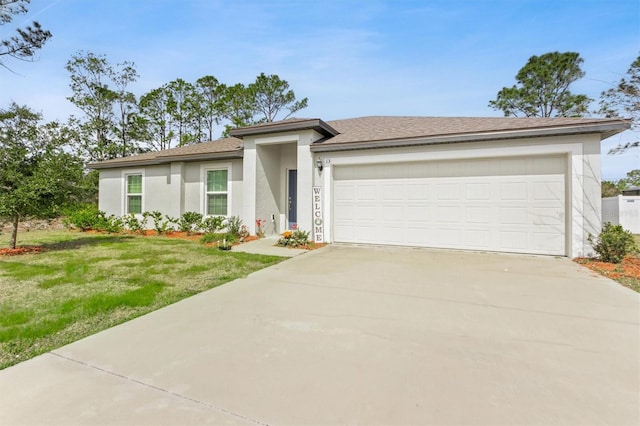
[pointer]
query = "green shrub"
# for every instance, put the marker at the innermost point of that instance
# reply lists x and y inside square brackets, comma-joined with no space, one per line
[189,222]
[132,223]
[89,217]
[84,217]
[295,238]
[234,223]
[160,225]
[613,243]
[212,224]
[112,224]
[211,237]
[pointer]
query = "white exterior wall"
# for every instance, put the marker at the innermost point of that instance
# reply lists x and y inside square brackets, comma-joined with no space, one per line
[582,153]
[622,210]
[169,188]
[156,188]
[111,191]
[195,181]
[267,159]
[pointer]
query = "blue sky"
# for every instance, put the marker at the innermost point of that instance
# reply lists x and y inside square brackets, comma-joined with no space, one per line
[350,58]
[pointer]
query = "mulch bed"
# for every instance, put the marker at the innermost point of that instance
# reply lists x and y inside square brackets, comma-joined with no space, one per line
[20,250]
[628,268]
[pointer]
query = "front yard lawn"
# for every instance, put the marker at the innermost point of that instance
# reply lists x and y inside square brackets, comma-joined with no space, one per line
[84,283]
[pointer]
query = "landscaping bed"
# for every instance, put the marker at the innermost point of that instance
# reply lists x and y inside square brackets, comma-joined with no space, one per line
[20,250]
[626,272]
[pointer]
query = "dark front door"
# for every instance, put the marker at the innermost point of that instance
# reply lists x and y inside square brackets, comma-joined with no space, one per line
[292,194]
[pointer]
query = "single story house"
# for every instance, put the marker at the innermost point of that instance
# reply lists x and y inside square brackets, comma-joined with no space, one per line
[521,185]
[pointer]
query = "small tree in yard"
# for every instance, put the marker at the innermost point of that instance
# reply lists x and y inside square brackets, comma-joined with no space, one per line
[37,176]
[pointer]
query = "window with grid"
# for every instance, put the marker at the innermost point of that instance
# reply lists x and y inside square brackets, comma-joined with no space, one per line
[134,193]
[217,193]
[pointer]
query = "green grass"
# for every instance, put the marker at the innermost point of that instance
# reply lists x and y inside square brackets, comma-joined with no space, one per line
[84,283]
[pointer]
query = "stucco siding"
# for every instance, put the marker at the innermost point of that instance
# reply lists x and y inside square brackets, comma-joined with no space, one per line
[587,182]
[169,188]
[156,184]
[195,181]
[193,188]
[269,187]
[110,191]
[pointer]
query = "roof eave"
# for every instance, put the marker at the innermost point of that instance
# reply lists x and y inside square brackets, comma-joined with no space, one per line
[605,129]
[228,155]
[315,124]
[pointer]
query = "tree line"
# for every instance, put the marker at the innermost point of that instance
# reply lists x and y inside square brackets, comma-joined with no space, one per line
[116,123]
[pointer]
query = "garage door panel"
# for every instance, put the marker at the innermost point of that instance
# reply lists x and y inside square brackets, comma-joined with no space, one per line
[448,191]
[514,213]
[514,216]
[393,234]
[514,240]
[478,239]
[548,216]
[448,237]
[366,192]
[550,191]
[540,241]
[418,191]
[365,231]
[417,214]
[478,214]
[393,192]
[514,190]
[449,214]
[478,192]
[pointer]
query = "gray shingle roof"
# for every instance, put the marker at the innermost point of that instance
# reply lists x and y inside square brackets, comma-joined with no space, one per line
[374,130]
[221,148]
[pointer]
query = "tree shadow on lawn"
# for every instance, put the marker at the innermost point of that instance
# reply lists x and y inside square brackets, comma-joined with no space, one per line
[83,242]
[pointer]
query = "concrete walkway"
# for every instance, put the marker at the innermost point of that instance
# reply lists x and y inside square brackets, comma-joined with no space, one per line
[267,246]
[355,335]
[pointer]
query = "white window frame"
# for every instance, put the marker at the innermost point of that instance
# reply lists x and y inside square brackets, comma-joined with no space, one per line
[204,169]
[125,195]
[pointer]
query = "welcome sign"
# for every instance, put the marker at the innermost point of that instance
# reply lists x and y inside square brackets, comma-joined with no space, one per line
[318,227]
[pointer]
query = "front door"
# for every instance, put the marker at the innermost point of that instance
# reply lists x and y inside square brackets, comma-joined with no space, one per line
[292,194]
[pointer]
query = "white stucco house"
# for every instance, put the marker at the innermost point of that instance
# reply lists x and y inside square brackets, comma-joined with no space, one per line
[521,185]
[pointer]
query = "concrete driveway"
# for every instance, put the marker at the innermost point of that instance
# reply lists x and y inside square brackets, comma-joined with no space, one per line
[358,335]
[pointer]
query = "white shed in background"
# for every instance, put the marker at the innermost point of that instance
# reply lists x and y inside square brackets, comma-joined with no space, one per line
[622,210]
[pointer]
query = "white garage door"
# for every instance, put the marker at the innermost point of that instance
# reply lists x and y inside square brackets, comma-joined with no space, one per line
[508,205]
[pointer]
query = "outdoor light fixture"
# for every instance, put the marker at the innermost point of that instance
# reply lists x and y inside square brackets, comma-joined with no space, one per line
[319,164]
